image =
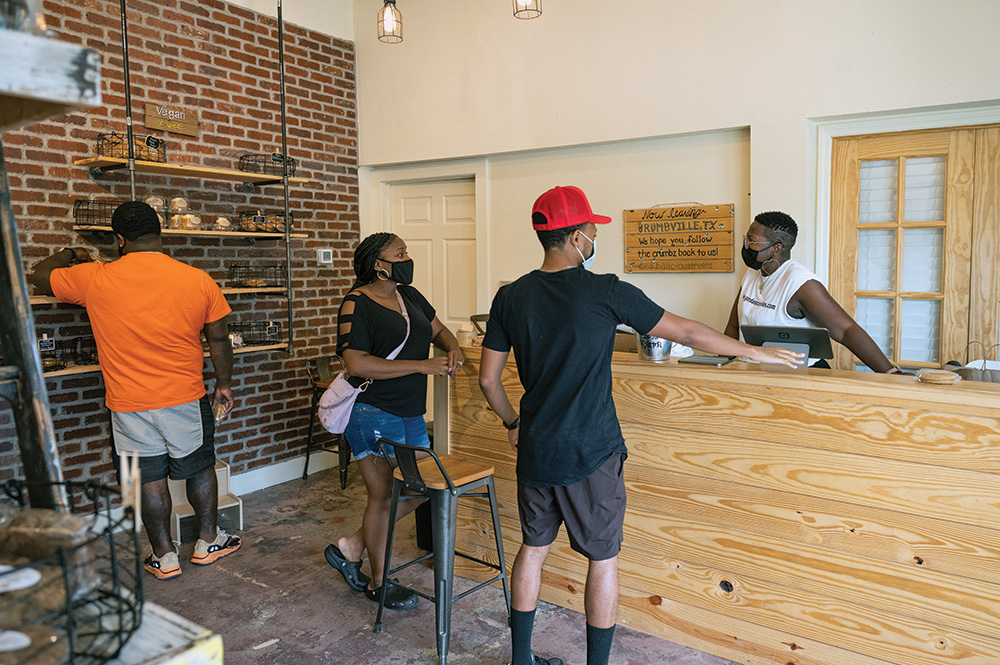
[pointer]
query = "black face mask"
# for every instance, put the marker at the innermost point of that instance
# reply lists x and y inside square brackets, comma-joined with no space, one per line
[402,271]
[750,257]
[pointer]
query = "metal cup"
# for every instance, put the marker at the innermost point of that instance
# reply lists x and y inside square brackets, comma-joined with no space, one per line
[652,348]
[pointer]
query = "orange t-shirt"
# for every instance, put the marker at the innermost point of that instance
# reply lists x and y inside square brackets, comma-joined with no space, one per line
[147,311]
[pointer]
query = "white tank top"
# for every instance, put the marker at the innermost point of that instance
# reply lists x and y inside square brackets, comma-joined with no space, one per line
[764,299]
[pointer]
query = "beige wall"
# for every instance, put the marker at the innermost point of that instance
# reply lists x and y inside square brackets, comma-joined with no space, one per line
[333,17]
[480,83]
[708,168]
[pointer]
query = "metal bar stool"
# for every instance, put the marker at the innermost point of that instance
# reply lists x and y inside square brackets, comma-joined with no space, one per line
[321,374]
[444,479]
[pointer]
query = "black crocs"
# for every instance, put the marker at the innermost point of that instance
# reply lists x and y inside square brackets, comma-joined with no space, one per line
[351,570]
[396,597]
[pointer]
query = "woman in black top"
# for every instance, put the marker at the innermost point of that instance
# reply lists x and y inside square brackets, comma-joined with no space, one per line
[371,326]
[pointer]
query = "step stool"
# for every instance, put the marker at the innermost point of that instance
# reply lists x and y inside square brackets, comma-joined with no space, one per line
[184,524]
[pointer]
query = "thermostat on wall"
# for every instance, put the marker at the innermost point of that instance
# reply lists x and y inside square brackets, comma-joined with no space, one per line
[324,257]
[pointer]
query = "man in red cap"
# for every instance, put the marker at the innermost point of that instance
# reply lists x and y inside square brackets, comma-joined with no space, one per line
[560,320]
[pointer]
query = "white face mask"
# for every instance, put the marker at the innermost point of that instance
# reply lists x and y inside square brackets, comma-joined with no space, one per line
[588,262]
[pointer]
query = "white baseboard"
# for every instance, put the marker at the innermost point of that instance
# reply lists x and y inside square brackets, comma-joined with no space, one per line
[258,479]
[282,472]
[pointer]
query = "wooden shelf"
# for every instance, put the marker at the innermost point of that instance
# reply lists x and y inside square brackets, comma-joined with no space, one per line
[50,300]
[266,289]
[184,232]
[49,77]
[254,349]
[86,369]
[72,369]
[183,170]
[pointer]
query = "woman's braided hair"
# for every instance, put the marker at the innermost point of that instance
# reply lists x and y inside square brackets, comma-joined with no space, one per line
[366,254]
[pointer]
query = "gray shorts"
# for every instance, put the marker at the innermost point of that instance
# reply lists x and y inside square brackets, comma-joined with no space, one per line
[176,441]
[592,509]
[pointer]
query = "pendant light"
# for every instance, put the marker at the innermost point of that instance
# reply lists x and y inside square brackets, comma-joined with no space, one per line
[390,23]
[527,8]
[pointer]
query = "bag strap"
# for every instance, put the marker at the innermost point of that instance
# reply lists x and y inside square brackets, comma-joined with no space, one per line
[406,316]
[395,352]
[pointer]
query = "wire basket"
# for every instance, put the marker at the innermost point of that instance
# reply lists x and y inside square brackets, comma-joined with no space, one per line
[255,221]
[145,147]
[240,276]
[266,164]
[94,213]
[84,350]
[53,353]
[80,604]
[256,333]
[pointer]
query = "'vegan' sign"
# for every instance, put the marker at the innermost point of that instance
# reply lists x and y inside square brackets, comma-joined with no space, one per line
[170,119]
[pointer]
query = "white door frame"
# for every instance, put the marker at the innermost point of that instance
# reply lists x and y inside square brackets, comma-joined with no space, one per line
[374,210]
[822,131]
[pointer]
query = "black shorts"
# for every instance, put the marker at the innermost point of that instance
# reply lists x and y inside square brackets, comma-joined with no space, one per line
[196,432]
[593,510]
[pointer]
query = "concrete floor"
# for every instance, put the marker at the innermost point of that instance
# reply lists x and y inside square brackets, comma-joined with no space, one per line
[277,601]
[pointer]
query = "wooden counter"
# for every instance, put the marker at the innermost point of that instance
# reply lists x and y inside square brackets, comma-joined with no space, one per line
[806,517]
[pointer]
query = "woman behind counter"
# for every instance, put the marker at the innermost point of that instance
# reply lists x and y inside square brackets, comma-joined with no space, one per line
[370,326]
[778,291]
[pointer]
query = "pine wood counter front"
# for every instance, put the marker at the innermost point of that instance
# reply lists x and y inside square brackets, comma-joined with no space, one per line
[806,517]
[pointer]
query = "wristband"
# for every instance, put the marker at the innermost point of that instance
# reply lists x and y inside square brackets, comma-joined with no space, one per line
[513,425]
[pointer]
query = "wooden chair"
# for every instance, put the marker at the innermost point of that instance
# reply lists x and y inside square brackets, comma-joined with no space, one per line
[478,319]
[322,370]
[444,479]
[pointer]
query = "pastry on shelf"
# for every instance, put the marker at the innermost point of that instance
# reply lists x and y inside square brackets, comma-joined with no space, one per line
[185,222]
[178,205]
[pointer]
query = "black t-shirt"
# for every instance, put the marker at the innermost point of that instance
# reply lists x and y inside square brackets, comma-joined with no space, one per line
[561,326]
[378,330]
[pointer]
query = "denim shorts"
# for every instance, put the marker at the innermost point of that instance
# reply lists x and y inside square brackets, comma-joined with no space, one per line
[369,423]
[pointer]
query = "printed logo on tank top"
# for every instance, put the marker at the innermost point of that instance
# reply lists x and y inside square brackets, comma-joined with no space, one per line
[757,303]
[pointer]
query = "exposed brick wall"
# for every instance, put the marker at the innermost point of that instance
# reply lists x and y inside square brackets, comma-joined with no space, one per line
[221,60]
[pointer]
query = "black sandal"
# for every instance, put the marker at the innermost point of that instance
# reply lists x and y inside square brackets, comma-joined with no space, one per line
[396,597]
[351,570]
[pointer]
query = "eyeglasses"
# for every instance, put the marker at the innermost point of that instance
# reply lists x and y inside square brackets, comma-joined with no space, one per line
[747,242]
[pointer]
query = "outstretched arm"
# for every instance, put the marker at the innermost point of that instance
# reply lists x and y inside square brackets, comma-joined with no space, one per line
[699,336]
[816,303]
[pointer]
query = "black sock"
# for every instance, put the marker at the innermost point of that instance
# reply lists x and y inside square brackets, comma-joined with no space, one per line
[599,644]
[521,625]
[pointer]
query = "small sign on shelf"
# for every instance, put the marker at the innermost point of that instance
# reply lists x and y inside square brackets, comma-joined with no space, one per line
[170,119]
[691,238]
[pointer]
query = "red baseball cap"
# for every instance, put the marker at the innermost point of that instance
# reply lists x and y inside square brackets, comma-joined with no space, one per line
[563,207]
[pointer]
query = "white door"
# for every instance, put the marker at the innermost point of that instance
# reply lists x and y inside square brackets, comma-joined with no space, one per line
[437,220]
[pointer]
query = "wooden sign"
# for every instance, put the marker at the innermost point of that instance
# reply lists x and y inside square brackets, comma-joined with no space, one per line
[679,239]
[171,119]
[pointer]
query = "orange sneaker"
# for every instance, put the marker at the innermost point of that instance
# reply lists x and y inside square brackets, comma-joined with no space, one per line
[163,568]
[206,553]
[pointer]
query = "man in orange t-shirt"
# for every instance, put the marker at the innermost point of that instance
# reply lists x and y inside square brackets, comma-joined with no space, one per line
[147,312]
